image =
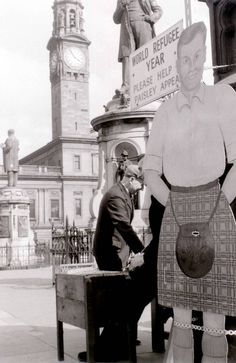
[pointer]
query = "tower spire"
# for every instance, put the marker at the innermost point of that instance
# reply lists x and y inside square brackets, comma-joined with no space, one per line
[69,71]
[68,17]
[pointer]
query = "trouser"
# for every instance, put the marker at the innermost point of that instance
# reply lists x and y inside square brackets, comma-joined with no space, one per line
[114,338]
[214,344]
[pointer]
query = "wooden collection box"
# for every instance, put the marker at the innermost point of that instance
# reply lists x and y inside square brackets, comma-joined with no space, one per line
[88,299]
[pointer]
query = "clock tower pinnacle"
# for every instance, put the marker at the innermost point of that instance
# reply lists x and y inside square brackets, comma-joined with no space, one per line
[69,71]
[68,17]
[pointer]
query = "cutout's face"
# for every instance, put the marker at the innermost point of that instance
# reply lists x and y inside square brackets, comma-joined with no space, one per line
[190,63]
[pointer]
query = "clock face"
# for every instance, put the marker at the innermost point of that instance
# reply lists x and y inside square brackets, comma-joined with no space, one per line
[53,61]
[74,57]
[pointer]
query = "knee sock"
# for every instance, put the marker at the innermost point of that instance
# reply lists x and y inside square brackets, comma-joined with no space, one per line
[214,348]
[214,343]
[182,345]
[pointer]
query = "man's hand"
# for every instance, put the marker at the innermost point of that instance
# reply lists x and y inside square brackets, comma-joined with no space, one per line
[135,261]
[149,19]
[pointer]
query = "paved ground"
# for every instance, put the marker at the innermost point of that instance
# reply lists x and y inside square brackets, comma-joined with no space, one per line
[28,322]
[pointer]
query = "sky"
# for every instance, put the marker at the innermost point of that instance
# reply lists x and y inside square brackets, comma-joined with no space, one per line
[26,27]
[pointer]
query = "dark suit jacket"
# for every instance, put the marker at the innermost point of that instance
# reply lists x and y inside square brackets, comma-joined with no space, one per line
[115,213]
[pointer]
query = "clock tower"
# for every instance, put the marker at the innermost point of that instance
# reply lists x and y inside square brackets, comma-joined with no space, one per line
[69,71]
[63,174]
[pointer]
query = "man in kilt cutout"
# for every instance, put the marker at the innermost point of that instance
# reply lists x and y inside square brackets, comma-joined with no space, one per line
[192,137]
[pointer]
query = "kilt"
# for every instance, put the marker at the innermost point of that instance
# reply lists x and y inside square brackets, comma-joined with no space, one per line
[216,291]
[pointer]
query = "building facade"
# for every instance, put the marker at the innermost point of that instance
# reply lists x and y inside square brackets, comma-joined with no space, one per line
[60,178]
[223,39]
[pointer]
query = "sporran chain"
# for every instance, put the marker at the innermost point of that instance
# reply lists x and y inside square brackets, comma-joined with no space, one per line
[204,329]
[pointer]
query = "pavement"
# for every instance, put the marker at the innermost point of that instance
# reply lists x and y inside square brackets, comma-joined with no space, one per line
[28,322]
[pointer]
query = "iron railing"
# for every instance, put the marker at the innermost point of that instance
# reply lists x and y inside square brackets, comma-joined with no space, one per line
[69,246]
[28,256]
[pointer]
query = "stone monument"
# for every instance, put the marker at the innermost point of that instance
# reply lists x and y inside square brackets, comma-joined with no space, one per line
[121,128]
[122,165]
[136,19]
[15,233]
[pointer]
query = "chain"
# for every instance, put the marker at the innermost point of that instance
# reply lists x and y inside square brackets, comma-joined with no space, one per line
[220,66]
[204,329]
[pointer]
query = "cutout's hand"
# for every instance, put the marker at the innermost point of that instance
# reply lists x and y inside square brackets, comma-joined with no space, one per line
[149,18]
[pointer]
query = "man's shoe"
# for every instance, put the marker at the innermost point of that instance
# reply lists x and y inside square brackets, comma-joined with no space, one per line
[82,356]
[101,357]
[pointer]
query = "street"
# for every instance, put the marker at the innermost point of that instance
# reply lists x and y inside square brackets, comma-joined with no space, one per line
[28,322]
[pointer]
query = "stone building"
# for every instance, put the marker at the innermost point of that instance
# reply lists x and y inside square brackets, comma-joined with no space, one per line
[223,39]
[61,176]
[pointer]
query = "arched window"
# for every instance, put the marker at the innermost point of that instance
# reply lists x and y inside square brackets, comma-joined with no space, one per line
[72,17]
[230,31]
[61,19]
[225,35]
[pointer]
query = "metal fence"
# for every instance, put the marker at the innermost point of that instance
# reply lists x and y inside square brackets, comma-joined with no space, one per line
[72,247]
[15,257]
[69,246]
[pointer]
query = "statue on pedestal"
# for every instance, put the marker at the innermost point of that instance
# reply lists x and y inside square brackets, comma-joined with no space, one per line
[122,165]
[10,158]
[136,19]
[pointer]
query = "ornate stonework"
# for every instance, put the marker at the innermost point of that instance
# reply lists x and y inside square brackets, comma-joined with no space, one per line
[69,71]
[13,195]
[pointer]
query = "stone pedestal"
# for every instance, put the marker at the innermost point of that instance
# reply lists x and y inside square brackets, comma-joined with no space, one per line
[118,129]
[15,234]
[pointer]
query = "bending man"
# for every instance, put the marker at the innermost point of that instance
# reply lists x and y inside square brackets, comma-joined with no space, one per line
[114,239]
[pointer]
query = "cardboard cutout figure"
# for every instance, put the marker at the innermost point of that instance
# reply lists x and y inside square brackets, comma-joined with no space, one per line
[192,136]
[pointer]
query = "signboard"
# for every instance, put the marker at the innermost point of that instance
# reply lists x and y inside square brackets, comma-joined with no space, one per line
[152,68]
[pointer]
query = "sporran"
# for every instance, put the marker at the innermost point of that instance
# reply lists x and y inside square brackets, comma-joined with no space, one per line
[195,249]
